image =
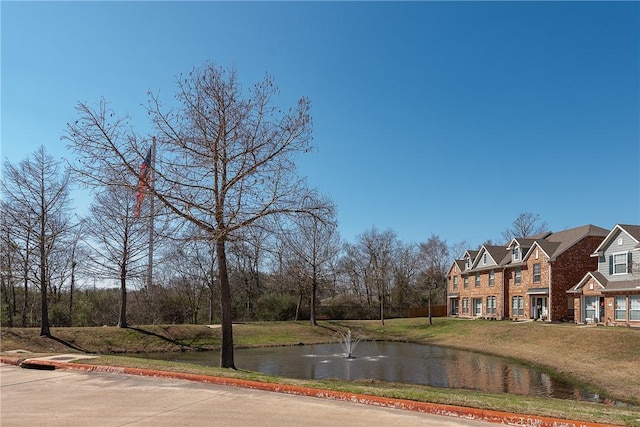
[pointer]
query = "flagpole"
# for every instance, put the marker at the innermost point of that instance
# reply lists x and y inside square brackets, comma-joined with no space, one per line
[151,212]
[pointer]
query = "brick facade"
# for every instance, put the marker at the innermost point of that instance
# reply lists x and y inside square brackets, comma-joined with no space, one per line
[569,268]
[549,265]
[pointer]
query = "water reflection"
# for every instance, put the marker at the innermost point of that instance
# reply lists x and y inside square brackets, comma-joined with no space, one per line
[396,362]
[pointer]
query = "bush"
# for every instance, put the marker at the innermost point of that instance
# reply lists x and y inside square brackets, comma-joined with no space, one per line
[276,306]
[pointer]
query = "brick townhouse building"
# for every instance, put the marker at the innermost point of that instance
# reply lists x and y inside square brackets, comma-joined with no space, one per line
[610,294]
[528,278]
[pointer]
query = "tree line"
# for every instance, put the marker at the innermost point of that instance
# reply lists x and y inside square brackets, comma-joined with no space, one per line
[92,270]
[237,234]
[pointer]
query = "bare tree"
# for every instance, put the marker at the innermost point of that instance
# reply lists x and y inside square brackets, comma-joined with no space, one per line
[9,262]
[407,266]
[435,252]
[224,160]
[248,253]
[117,240]
[39,190]
[527,224]
[192,261]
[377,248]
[313,242]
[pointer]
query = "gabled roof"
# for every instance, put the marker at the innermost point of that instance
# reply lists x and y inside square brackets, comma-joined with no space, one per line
[598,277]
[459,263]
[547,247]
[632,231]
[568,238]
[523,242]
[497,254]
[605,284]
[472,254]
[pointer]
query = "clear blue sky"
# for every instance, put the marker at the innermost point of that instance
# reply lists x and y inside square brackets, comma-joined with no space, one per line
[429,117]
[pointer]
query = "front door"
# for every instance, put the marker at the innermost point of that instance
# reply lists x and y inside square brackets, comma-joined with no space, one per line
[454,306]
[539,308]
[590,308]
[477,307]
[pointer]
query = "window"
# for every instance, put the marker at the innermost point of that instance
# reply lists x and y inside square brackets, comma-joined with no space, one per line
[515,253]
[477,280]
[455,282]
[590,307]
[492,278]
[468,263]
[484,259]
[465,305]
[536,273]
[491,305]
[517,306]
[517,276]
[621,308]
[466,281]
[634,307]
[619,263]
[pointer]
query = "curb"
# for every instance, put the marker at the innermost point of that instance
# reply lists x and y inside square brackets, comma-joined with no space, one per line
[409,405]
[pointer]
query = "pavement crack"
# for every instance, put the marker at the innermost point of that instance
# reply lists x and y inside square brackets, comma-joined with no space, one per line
[195,402]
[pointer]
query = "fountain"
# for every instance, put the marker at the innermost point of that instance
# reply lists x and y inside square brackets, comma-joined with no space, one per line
[349,343]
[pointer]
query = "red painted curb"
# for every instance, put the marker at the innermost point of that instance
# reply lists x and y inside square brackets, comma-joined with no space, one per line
[410,405]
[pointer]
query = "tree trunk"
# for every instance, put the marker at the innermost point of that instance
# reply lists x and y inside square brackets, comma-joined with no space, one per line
[71,288]
[314,287]
[44,306]
[226,350]
[122,319]
[314,290]
[298,305]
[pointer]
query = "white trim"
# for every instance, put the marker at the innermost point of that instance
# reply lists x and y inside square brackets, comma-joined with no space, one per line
[606,242]
[626,263]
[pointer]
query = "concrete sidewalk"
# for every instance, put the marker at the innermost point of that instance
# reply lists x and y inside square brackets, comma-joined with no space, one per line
[31,397]
[70,394]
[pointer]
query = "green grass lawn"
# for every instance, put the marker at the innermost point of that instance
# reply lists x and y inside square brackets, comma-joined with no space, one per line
[602,358]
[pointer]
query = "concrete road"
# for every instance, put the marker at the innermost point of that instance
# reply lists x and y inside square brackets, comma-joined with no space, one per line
[70,398]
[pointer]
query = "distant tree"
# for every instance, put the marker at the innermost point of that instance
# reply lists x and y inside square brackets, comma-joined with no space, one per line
[375,251]
[313,243]
[407,267]
[190,263]
[117,240]
[435,253]
[225,160]
[9,264]
[37,190]
[457,250]
[527,224]
[247,257]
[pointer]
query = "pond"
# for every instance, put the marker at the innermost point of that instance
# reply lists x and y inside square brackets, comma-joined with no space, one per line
[395,362]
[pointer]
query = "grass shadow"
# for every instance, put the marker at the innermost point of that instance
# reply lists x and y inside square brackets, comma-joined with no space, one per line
[70,345]
[168,338]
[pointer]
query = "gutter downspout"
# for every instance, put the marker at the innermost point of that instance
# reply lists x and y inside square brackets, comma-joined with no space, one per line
[504,296]
[549,311]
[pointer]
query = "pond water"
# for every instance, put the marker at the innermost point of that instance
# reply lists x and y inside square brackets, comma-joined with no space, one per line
[395,362]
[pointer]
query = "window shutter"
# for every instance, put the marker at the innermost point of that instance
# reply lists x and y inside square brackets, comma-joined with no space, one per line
[629,262]
[610,264]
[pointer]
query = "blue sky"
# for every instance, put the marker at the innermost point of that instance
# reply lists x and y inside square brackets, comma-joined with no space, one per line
[429,117]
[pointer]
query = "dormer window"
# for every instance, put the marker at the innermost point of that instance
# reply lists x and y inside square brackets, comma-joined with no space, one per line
[515,253]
